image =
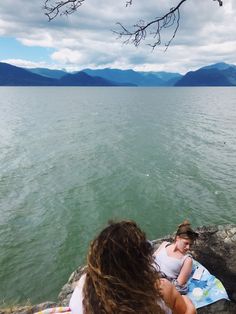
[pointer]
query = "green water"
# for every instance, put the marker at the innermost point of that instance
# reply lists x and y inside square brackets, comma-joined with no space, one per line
[72,158]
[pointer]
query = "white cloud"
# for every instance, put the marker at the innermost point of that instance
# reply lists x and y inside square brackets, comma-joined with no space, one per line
[40,40]
[67,56]
[26,63]
[85,39]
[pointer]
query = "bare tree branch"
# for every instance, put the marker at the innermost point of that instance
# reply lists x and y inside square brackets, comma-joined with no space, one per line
[65,7]
[128,2]
[220,2]
[139,33]
[140,30]
[154,28]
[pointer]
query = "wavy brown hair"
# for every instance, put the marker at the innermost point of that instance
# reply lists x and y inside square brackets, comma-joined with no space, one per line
[120,276]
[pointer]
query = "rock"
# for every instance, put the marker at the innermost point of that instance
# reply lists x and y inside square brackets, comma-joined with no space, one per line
[29,309]
[218,255]
[67,290]
[43,306]
[220,307]
[215,249]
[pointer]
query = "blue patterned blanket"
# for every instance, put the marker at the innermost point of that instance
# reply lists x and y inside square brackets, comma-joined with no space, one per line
[206,290]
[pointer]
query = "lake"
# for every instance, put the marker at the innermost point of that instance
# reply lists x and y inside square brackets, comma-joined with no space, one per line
[73,158]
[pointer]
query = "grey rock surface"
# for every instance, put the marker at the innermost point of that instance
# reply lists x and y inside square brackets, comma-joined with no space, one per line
[29,309]
[215,249]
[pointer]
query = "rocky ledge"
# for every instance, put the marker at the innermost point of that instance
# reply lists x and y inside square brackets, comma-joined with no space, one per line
[215,249]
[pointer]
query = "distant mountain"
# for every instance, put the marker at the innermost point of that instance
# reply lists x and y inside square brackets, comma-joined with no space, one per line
[55,74]
[219,74]
[116,75]
[15,76]
[230,73]
[173,81]
[137,78]
[219,66]
[83,79]
[11,75]
[167,78]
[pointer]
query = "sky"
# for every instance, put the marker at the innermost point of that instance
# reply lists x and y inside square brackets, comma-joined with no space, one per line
[85,39]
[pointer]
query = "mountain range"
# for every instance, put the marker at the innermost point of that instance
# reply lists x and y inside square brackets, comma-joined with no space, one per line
[218,74]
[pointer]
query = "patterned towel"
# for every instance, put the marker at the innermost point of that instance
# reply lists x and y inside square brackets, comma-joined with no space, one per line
[208,289]
[55,310]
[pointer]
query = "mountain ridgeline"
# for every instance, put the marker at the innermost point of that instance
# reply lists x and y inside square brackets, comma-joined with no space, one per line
[219,74]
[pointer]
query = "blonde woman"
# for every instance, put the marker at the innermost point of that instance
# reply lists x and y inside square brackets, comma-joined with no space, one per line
[173,260]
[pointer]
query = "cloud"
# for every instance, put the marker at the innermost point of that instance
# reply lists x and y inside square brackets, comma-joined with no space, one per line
[26,63]
[67,56]
[40,40]
[85,39]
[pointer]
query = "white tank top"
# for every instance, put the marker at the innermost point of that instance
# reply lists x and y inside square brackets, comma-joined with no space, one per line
[169,265]
[76,301]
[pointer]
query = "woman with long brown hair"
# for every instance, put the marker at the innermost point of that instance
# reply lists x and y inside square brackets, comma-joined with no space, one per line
[173,259]
[120,277]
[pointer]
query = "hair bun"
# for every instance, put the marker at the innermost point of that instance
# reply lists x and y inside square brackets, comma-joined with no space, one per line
[185,231]
[184,223]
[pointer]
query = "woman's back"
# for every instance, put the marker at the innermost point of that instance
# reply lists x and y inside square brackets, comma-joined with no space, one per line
[76,301]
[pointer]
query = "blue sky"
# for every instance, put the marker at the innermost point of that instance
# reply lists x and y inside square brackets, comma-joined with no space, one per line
[11,48]
[84,40]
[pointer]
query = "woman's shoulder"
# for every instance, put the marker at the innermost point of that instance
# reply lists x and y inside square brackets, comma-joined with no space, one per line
[76,300]
[187,258]
[165,286]
[165,243]
[174,300]
[162,245]
[187,261]
[167,292]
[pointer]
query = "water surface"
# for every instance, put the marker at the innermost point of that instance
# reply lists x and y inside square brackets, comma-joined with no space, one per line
[72,158]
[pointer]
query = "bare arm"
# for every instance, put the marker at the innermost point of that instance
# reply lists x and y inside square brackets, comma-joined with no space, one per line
[176,302]
[185,271]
